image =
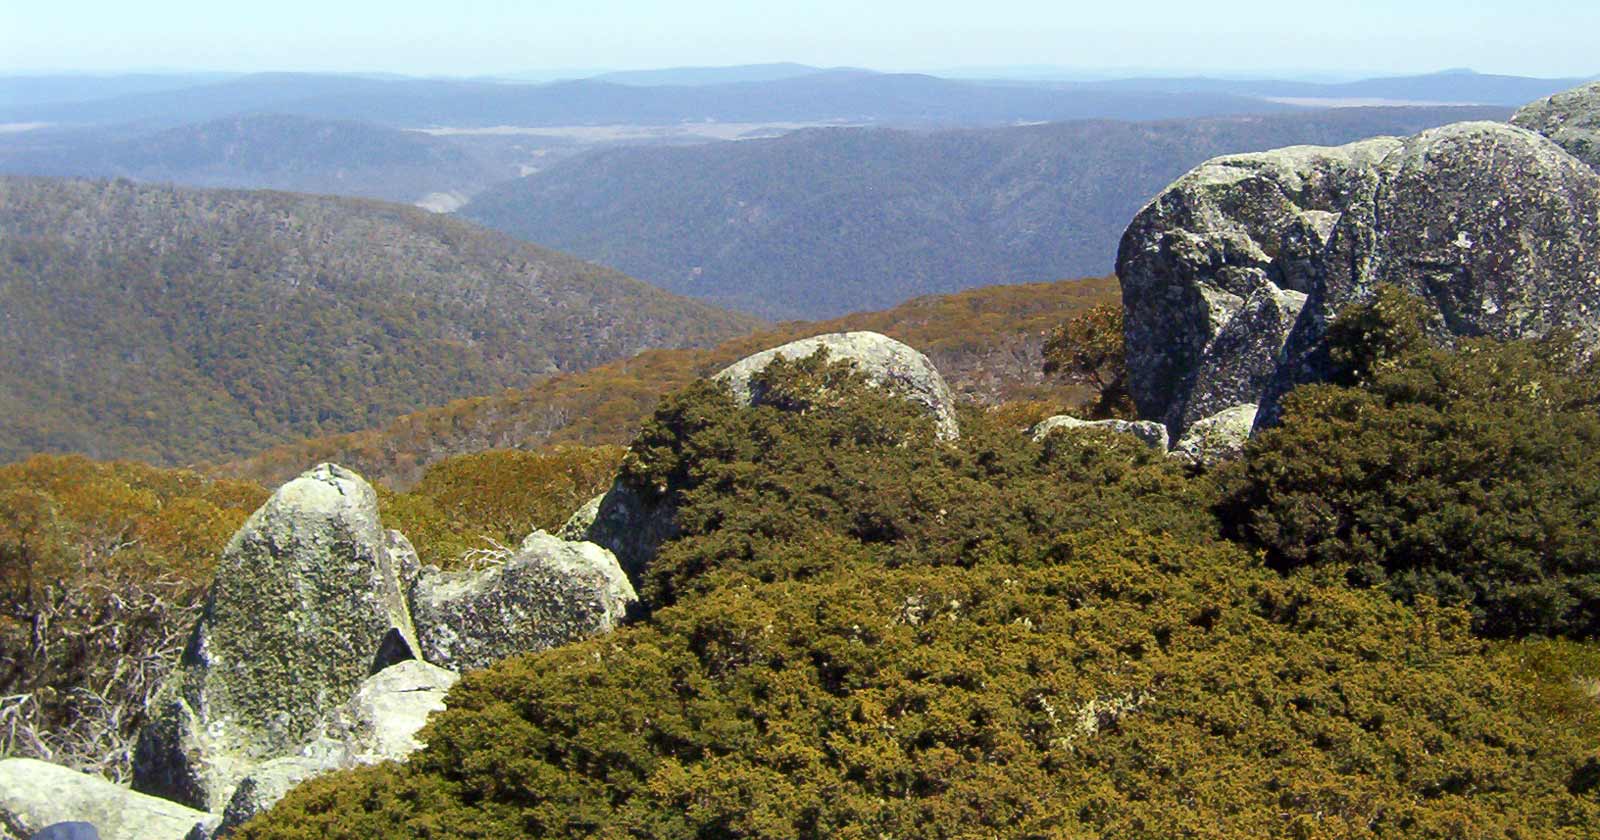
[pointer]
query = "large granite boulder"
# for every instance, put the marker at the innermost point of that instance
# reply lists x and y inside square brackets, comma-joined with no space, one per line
[1153,435]
[1571,119]
[549,592]
[36,794]
[1231,275]
[882,360]
[307,603]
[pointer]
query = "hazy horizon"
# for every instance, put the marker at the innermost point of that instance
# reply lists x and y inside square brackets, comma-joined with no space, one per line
[1540,38]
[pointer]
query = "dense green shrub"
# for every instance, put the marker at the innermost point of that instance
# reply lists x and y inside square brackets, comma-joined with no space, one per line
[864,632]
[1469,475]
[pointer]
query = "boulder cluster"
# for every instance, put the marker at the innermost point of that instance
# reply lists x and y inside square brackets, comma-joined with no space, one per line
[1231,275]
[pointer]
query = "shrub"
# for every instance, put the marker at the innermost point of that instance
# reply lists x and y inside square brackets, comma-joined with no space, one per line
[864,632]
[1468,476]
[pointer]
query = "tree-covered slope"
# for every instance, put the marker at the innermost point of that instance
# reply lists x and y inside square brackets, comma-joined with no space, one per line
[823,222]
[177,325]
[262,151]
[988,343]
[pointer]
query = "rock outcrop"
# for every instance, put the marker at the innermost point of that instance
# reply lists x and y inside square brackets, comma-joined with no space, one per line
[1231,275]
[1571,119]
[633,527]
[307,604]
[882,360]
[37,794]
[548,593]
[1153,435]
[1220,437]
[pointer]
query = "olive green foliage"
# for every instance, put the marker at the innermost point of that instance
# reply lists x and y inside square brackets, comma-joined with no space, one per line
[1469,476]
[1088,349]
[495,498]
[864,632]
[102,567]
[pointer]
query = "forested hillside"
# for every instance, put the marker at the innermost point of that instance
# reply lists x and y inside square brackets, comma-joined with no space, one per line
[988,342]
[823,222]
[175,325]
[262,151]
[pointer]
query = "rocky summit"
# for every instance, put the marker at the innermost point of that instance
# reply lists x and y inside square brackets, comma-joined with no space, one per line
[1231,275]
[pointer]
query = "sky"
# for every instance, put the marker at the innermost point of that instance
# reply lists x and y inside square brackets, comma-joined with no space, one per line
[1553,38]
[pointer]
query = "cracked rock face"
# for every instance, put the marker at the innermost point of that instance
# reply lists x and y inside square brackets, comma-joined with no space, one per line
[1231,275]
[307,604]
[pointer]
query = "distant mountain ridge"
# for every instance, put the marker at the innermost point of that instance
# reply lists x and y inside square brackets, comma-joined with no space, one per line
[854,95]
[827,221]
[175,325]
[266,151]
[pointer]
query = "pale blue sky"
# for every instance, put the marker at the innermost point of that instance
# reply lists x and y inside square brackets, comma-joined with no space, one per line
[1525,37]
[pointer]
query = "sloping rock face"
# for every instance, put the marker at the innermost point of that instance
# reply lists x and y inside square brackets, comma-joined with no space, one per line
[1571,119]
[307,604]
[1154,435]
[36,794]
[884,361]
[1231,275]
[549,593]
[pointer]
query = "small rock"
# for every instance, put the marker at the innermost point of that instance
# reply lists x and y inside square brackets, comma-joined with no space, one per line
[1220,437]
[1153,435]
[37,795]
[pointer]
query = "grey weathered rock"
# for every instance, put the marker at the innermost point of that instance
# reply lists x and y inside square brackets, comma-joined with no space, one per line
[1231,275]
[36,794]
[549,592]
[1571,119]
[627,524]
[884,361]
[1220,437]
[380,723]
[581,522]
[307,603]
[1154,435]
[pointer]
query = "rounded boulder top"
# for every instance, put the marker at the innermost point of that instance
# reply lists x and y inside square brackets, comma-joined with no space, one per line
[882,360]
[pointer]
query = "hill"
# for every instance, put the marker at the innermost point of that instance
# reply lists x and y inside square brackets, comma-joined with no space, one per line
[263,151]
[1450,86]
[822,222]
[175,325]
[849,95]
[987,342]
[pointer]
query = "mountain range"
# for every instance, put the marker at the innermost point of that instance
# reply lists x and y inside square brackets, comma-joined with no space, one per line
[827,221]
[175,325]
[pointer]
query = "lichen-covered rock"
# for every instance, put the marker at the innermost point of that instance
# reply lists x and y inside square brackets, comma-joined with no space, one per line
[1220,437]
[1571,119]
[882,360]
[379,724]
[1231,275]
[307,603]
[35,794]
[1154,435]
[548,593]
[1245,229]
